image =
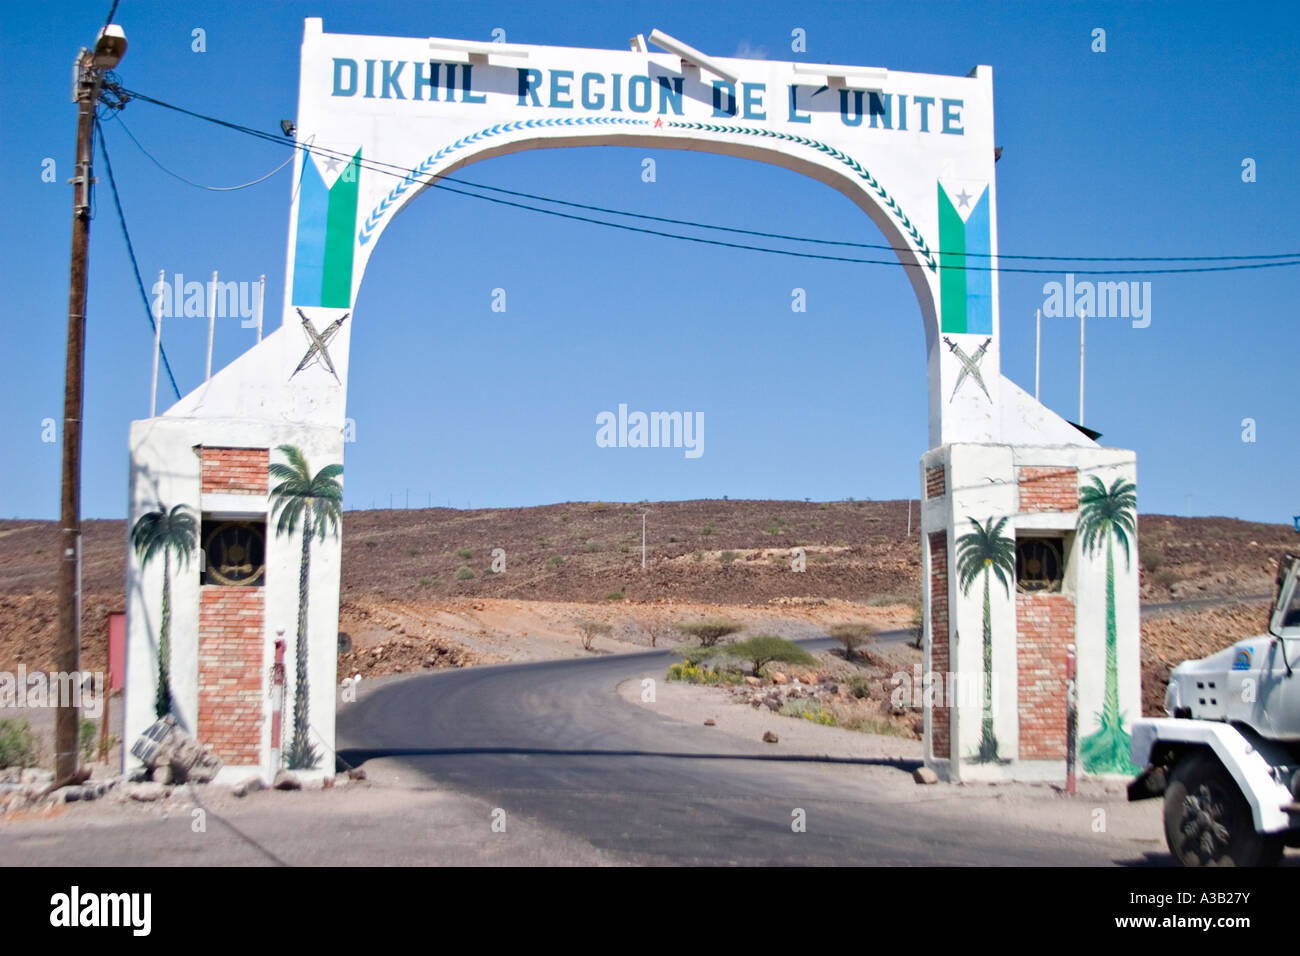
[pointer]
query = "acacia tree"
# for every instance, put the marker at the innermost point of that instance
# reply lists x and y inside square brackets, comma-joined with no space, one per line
[1107,515]
[986,549]
[763,649]
[165,532]
[710,630]
[590,630]
[315,501]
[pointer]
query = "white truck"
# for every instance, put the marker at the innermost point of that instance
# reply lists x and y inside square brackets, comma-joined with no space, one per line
[1227,757]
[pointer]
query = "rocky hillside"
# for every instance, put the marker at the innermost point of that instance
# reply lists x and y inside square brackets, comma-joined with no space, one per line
[709,551]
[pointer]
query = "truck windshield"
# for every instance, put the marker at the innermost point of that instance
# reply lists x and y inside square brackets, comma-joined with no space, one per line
[1292,616]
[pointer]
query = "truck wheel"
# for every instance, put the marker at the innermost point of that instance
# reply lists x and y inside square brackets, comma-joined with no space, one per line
[1208,822]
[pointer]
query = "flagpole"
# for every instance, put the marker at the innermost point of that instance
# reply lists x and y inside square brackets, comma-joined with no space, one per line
[157,342]
[1038,346]
[1082,315]
[212,321]
[261,304]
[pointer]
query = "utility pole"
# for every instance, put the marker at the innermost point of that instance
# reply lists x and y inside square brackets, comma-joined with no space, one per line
[90,66]
[642,542]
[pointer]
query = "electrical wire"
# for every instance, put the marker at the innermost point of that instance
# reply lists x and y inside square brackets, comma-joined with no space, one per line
[130,250]
[1271,260]
[175,175]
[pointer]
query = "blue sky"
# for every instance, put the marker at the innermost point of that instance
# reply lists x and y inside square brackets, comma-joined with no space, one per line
[1135,151]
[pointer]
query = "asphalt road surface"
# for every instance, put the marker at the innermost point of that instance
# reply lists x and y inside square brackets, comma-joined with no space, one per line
[553,742]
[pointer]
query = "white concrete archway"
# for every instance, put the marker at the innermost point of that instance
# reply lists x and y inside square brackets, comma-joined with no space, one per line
[914,151]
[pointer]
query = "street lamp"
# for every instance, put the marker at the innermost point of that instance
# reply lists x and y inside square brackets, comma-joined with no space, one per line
[110,46]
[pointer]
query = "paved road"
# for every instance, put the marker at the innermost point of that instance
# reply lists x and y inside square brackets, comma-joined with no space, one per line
[553,742]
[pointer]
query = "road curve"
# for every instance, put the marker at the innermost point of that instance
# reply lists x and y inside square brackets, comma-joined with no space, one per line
[553,742]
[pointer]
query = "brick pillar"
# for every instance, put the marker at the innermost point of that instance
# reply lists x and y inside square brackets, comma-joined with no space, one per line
[940,654]
[1044,628]
[230,672]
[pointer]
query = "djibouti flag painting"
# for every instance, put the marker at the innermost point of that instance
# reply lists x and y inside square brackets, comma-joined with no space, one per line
[965,274]
[327,224]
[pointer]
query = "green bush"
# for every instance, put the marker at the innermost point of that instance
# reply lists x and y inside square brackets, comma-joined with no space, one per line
[424,582]
[710,630]
[708,529]
[808,710]
[859,685]
[554,562]
[87,739]
[727,557]
[764,649]
[18,745]
[614,596]
[464,553]
[464,573]
[692,673]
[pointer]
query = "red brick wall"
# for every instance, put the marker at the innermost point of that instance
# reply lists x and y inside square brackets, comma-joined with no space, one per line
[231,672]
[1044,627]
[940,655]
[235,470]
[1049,489]
[935,484]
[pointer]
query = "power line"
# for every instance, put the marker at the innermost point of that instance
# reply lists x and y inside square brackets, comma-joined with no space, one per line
[1271,260]
[176,175]
[130,250]
[857,245]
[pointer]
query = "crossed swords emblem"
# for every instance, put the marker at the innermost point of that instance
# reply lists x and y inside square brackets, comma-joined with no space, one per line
[970,365]
[319,342]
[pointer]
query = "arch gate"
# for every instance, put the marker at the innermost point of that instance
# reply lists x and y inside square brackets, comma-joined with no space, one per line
[1002,479]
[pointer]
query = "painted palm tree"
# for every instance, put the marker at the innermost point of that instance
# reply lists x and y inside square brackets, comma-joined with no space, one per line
[165,532]
[987,550]
[315,502]
[1107,515]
